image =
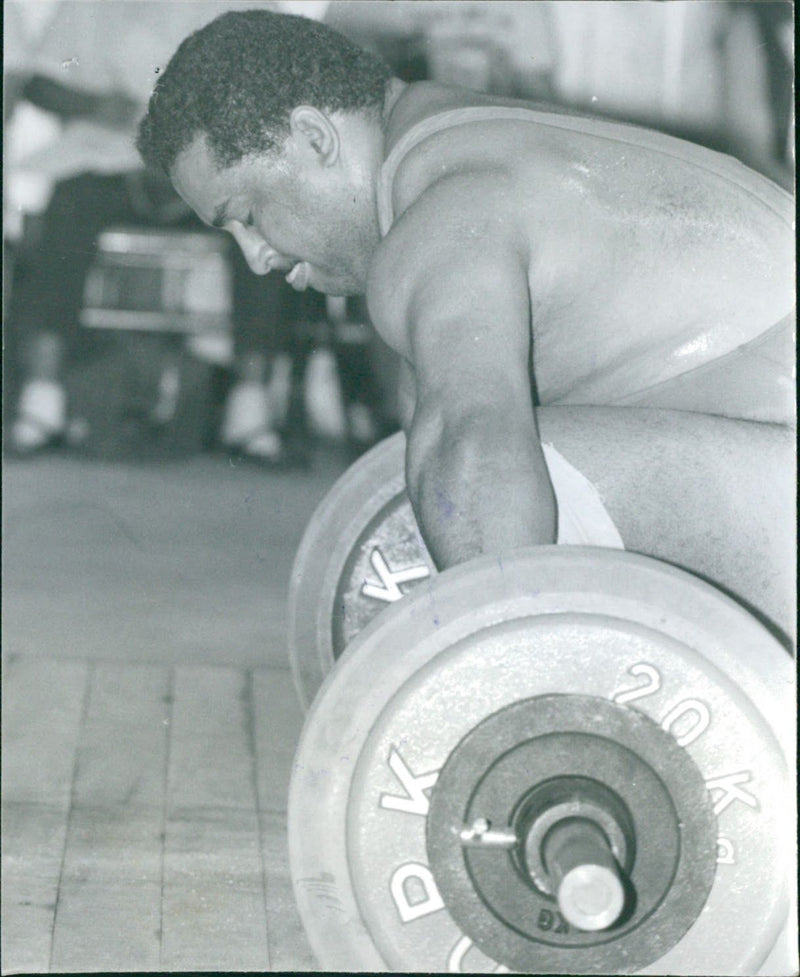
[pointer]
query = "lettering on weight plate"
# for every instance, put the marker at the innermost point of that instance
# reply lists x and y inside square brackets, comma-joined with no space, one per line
[731,786]
[415,800]
[414,891]
[699,720]
[695,714]
[726,853]
[651,684]
[388,589]
[459,951]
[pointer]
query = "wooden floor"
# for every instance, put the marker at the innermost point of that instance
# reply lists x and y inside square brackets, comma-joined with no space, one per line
[149,720]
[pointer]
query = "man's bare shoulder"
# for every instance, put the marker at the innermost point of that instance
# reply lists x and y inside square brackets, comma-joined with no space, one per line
[427,140]
[456,238]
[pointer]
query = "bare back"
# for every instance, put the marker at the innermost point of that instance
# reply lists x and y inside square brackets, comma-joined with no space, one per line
[648,258]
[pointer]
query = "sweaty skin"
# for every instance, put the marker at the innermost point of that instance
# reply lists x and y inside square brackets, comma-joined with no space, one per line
[516,258]
[555,260]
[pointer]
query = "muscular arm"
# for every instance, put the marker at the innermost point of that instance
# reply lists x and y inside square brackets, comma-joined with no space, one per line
[451,291]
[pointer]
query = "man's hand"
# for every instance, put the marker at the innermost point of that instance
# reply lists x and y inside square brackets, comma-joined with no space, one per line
[449,289]
[478,486]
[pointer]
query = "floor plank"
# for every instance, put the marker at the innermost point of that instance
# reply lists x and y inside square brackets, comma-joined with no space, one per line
[34,836]
[278,722]
[149,719]
[289,949]
[108,916]
[43,705]
[122,755]
[215,907]
[112,868]
[211,760]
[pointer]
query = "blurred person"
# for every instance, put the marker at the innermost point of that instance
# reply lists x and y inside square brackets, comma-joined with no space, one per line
[264,417]
[94,69]
[23,26]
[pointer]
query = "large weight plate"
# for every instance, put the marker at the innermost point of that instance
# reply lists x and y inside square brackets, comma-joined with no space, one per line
[362,550]
[485,635]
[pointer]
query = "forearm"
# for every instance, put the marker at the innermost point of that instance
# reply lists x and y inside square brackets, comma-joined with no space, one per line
[480,489]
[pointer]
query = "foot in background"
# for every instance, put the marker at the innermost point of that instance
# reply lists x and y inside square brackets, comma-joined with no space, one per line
[251,425]
[40,420]
[41,417]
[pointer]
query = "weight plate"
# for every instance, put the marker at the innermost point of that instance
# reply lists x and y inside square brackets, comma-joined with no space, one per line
[361,552]
[484,636]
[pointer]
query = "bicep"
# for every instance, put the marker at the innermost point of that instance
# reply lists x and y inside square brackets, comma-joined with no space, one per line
[470,339]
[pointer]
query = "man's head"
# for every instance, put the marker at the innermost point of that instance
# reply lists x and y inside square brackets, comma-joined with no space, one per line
[269,125]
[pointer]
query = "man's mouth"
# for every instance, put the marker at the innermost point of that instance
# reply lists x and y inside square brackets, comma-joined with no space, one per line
[299,276]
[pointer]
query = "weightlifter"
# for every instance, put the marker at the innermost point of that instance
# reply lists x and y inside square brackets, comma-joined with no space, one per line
[595,321]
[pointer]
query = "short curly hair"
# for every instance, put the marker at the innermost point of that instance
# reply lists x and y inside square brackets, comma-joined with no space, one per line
[238,78]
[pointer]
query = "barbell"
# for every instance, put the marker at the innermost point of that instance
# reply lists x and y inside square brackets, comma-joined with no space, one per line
[568,760]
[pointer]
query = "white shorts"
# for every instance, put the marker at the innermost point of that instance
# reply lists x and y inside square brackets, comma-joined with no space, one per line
[582,516]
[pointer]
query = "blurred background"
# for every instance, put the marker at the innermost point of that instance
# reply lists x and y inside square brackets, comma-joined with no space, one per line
[132,332]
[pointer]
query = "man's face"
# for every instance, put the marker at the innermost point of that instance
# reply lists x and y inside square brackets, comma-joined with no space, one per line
[286,216]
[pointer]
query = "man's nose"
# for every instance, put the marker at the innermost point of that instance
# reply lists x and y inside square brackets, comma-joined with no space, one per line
[257,253]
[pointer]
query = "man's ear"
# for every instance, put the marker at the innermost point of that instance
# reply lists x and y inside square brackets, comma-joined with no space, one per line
[314,132]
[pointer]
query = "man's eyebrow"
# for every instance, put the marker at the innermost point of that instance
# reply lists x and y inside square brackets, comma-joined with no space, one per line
[220,215]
